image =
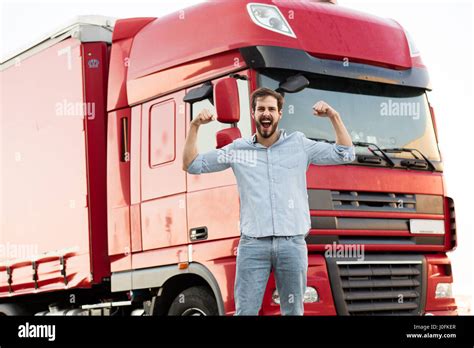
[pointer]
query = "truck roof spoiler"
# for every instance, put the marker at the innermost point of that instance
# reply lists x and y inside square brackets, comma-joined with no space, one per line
[84,28]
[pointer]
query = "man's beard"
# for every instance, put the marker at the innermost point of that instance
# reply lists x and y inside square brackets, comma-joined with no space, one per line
[268,131]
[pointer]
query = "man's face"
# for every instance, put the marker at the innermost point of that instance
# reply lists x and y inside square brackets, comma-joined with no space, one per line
[266,116]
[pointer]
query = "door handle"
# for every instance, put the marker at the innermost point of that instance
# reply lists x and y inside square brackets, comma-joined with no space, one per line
[198,233]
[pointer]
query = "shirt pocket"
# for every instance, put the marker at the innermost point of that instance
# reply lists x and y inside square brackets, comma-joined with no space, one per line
[289,158]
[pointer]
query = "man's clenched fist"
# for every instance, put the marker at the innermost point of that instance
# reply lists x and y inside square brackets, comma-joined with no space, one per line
[204,117]
[323,109]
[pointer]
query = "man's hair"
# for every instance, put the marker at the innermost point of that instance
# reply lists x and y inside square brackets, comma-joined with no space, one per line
[266,92]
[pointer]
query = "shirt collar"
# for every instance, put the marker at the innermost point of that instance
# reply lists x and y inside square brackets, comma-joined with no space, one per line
[283,135]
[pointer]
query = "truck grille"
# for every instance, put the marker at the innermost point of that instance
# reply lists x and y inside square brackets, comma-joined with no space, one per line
[391,287]
[350,200]
[373,201]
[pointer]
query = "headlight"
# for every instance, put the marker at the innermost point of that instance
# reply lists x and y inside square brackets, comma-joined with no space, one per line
[269,17]
[444,290]
[276,297]
[310,296]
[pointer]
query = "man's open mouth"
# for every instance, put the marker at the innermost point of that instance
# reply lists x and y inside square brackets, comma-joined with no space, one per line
[266,124]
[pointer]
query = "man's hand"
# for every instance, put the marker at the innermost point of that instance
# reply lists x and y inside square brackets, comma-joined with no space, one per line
[204,117]
[190,150]
[323,109]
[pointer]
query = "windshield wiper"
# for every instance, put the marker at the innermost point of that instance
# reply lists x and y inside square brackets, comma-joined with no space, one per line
[364,159]
[425,161]
[323,140]
[383,152]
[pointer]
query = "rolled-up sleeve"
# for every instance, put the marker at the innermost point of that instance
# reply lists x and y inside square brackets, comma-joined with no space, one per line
[212,161]
[324,153]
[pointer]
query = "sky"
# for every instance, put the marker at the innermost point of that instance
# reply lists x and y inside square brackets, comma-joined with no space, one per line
[442,30]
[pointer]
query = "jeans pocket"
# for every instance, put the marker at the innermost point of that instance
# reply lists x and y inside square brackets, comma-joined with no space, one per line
[246,239]
[300,240]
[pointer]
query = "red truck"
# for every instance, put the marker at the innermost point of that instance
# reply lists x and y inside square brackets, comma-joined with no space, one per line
[99,218]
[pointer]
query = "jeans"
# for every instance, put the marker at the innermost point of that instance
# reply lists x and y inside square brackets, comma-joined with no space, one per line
[256,258]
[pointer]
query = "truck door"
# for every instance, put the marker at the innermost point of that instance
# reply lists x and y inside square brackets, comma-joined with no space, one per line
[161,213]
[212,199]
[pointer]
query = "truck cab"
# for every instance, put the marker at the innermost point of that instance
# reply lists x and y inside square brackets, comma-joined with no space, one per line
[390,202]
[380,226]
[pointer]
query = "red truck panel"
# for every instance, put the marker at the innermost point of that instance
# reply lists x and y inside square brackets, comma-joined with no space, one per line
[53,169]
[118,188]
[122,39]
[336,33]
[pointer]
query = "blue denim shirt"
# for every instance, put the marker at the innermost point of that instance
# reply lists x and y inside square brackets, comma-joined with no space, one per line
[272,181]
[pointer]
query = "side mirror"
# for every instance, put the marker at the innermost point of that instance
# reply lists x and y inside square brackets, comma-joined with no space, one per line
[199,93]
[227,103]
[293,84]
[226,98]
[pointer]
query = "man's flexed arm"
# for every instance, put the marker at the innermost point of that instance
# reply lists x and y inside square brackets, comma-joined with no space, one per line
[323,153]
[190,149]
[323,109]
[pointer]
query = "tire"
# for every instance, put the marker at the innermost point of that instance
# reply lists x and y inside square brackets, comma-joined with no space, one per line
[194,301]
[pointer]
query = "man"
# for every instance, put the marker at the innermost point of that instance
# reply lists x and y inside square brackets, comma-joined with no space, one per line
[274,211]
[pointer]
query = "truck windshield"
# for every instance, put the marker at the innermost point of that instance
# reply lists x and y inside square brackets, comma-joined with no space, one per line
[386,115]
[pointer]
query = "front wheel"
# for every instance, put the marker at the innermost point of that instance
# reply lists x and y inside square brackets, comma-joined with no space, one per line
[194,301]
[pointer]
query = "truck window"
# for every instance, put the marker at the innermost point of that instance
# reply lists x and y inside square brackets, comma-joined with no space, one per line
[387,115]
[244,97]
[207,134]
[162,133]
